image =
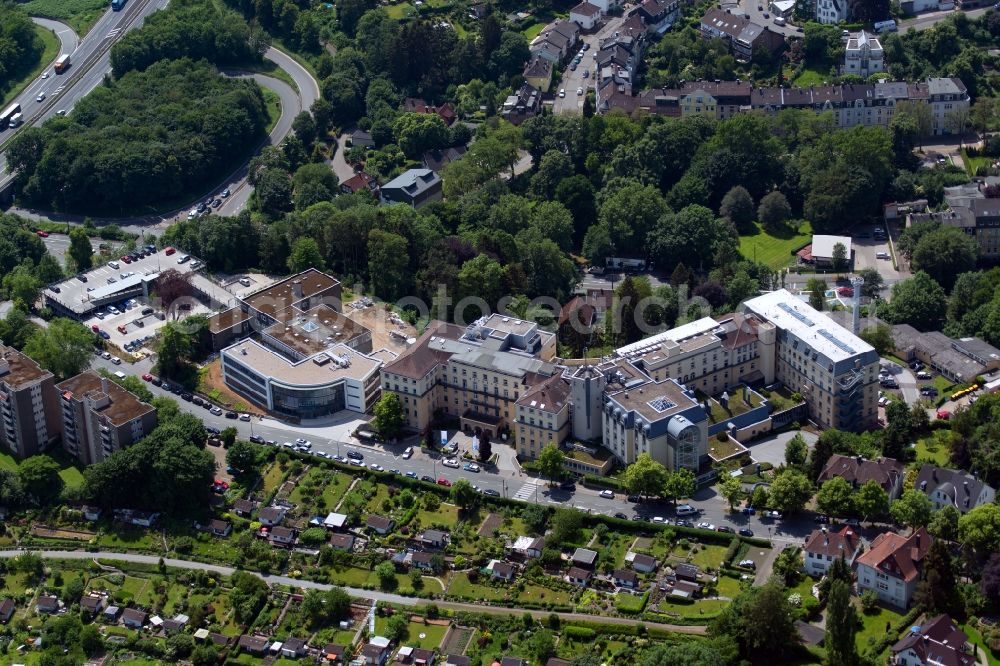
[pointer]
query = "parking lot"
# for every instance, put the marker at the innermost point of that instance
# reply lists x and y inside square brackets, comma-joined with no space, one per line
[871,252]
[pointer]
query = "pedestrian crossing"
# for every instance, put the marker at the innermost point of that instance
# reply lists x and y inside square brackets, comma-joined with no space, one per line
[527,492]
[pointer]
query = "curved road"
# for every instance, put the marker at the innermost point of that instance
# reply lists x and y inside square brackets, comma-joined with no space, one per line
[354,592]
[292,102]
[68,41]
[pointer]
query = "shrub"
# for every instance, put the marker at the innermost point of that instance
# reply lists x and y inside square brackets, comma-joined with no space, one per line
[579,633]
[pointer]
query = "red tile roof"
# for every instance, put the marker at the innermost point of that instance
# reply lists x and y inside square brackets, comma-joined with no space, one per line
[896,555]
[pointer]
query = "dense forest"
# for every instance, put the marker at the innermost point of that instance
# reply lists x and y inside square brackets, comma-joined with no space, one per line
[143,140]
[20,45]
[190,29]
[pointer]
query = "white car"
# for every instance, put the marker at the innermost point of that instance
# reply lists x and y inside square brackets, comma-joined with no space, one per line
[244,417]
[659,520]
[883,401]
[117,361]
[218,411]
[562,93]
[45,75]
[376,467]
[408,453]
[608,494]
[451,462]
[40,98]
[706,526]
[579,91]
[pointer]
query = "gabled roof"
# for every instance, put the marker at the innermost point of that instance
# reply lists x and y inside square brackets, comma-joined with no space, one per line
[896,555]
[963,488]
[938,641]
[625,575]
[834,544]
[857,471]
[586,9]
[379,522]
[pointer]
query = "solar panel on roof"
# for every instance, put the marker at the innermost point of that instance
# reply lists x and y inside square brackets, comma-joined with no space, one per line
[840,344]
[795,313]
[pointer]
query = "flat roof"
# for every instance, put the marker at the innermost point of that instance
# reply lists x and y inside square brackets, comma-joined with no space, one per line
[654,401]
[675,334]
[227,319]
[318,370]
[20,369]
[280,295]
[513,325]
[314,330]
[816,329]
[822,246]
[122,407]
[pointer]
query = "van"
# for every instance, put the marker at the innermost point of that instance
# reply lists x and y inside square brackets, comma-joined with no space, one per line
[119,374]
[686,510]
[139,322]
[16,119]
[114,264]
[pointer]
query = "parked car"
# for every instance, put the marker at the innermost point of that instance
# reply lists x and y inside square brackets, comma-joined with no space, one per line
[491,492]
[244,417]
[216,410]
[726,528]
[443,482]
[470,467]
[929,391]
[660,520]
[748,564]
[621,516]
[746,532]
[608,494]
[923,374]
[408,453]
[356,455]
[706,526]
[451,462]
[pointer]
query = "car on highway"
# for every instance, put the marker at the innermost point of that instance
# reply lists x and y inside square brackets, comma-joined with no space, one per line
[45,75]
[61,112]
[470,467]
[40,98]
[412,475]
[443,482]
[407,453]
[746,531]
[451,462]
[706,526]
[608,494]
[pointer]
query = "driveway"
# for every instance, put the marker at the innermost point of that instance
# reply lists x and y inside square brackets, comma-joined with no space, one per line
[341,169]
[772,449]
[572,80]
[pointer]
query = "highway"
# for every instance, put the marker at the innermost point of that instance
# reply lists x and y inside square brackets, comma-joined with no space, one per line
[90,62]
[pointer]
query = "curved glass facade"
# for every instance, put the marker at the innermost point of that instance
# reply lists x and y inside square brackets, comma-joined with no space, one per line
[308,403]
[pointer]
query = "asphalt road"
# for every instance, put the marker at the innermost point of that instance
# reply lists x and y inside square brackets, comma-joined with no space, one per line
[89,64]
[571,80]
[931,19]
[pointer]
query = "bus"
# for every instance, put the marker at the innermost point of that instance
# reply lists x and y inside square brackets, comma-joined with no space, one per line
[7,114]
[117,4]
[62,63]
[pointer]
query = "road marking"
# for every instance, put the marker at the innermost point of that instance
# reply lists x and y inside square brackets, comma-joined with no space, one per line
[526,492]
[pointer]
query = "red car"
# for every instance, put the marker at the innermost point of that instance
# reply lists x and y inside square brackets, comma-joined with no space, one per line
[147,377]
[846,291]
[42,234]
[443,482]
[95,328]
[127,259]
[169,251]
[943,414]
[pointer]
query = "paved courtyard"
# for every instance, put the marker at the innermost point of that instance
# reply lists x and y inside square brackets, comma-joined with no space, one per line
[772,449]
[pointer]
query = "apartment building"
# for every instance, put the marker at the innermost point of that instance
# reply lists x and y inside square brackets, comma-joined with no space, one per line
[891,567]
[661,418]
[99,417]
[742,34]
[949,100]
[476,374]
[850,105]
[542,416]
[835,371]
[863,54]
[27,405]
[832,11]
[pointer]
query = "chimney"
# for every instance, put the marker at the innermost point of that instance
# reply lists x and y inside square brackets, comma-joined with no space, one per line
[297,289]
[104,385]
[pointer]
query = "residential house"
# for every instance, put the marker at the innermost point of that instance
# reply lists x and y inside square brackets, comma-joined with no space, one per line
[625,578]
[133,618]
[220,528]
[244,507]
[360,137]
[607,6]
[281,536]
[47,603]
[523,103]
[584,557]
[528,547]
[657,15]
[949,100]
[380,524]
[413,187]
[375,653]
[681,588]
[578,576]
[935,642]
[254,644]
[271,516]
[949,487]
[91,512]
[863,54]
[556,40]
[891,567]
[501,570]
[93,604]
[824,247]
[360,182]
[136,518]
[415,656]
[832,11]
[457,660]
[433,538]
[857,471]
[641,562]
[111,614]
[824,546]
[586,15]
[421,560]
[438,159]
[7,608]
[294,647]
[445,112]
[172,625]
[342,542]
[743,35]
[538,73]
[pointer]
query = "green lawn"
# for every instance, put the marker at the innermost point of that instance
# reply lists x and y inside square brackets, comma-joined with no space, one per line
[532,30]
[811,77]
[273,107]
[446,514]
[400,11]
[464,588]
[973,163]
[432,633]
[7,462]
[539,594]
[71,476]
[934,449]
[20,80]
[976,638]
[706,556]
[874,626]
[774,250]
[79,14]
